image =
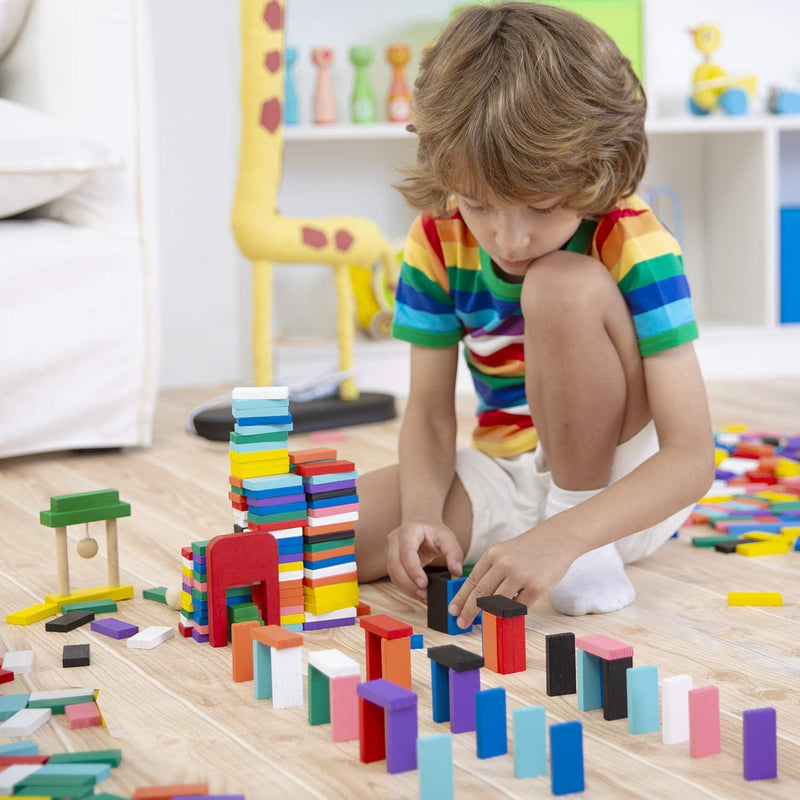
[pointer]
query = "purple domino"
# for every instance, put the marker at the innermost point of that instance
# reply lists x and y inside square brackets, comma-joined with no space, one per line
[115,628]
[760,744]
[328,623]
[313,488]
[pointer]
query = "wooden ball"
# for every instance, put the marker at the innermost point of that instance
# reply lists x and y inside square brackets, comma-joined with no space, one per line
[173,598]
[87,547]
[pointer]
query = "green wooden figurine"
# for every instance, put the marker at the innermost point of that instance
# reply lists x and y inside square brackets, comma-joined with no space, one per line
[362,102]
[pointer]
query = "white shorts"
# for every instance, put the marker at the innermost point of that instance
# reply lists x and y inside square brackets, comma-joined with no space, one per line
[508,495]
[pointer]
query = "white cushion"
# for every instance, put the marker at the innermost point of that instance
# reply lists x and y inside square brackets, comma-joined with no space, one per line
[12,17]
[42,159]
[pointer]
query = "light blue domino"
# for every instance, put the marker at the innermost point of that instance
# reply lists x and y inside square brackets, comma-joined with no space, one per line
[297,627]
[272,482]
[435,765]
[25,747]
[262,671]
[10,704]
[642,699]
[255,430]
[97,771]
[256,447]
[530,736]
[253,407]
[333,477]
[590,682]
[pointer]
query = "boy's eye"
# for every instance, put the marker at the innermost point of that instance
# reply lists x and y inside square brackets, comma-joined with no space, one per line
[549,210]
[473,207]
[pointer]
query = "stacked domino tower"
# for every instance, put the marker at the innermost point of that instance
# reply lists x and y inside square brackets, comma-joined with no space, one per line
[266,497]
[330,580]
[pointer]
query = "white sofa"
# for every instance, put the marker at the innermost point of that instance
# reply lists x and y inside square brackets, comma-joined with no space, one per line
[78,349]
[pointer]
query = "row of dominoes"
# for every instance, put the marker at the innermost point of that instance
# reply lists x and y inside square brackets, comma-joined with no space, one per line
[600,670]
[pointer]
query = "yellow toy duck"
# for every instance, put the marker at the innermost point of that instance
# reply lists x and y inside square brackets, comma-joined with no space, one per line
[712,86]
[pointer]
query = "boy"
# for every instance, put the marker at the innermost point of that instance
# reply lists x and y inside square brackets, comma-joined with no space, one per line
[593,438]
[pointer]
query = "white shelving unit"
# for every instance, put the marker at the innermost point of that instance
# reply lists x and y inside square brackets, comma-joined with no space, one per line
[731,173]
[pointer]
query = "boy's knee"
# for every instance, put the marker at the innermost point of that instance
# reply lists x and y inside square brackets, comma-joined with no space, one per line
[563,287]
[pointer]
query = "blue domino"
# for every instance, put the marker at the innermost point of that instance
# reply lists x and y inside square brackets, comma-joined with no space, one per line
[590,685]
[272,419]
[263,511]
[566,758]
[10,704]
[490,722]
[256,447]
[344,500]
[25,747]
[330,562]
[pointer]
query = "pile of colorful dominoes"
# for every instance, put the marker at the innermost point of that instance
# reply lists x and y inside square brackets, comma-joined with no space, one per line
[330,580]
[754,503]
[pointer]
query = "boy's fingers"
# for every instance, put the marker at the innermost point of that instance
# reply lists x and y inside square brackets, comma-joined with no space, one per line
[449,547]
[464,604]
[410,561]
[395,568]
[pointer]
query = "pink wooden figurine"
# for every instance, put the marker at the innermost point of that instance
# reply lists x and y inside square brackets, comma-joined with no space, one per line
[324,96]
[398,108]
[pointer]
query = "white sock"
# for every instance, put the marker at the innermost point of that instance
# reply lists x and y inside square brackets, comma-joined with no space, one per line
[596,582]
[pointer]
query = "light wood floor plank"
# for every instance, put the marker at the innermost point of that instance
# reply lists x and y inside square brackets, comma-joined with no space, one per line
[178,717]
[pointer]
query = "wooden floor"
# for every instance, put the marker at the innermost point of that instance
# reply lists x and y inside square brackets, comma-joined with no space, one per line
[178,717]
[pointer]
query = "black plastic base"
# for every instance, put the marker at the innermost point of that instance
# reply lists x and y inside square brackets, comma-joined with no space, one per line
[312,415]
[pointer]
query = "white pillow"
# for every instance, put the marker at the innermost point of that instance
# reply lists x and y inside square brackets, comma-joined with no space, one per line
[12,16]
[42,158]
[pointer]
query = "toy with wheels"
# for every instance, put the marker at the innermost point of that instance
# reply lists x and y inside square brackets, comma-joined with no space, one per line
[373,289]
[712,86]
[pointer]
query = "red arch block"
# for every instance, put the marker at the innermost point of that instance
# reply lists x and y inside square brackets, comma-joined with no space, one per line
[234,559]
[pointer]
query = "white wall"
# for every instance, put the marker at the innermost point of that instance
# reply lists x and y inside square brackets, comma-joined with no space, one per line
[205,283]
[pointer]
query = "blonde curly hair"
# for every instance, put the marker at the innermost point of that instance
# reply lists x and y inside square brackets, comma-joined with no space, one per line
[517,101]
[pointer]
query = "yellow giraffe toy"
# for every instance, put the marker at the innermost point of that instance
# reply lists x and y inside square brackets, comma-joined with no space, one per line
[262,234]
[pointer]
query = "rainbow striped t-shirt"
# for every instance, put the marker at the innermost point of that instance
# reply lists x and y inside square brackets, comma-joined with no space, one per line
[448,292]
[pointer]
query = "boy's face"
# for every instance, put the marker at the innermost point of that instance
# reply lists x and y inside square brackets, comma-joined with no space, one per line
[515,235]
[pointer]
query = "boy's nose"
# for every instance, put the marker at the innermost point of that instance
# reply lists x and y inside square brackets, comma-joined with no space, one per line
[512,239]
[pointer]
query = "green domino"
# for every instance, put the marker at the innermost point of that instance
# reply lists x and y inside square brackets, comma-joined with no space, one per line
[198,595]
[709,541]
[84,500]
[239,438]
[239,591]
[157,593]
[107,796]
[783,506]
[98,606]
[111,757]
[60,519]
[199,548]
[243,612]
[284,516]
[332,545]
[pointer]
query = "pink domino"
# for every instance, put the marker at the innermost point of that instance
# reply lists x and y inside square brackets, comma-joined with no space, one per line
[704,721]
[332,511]
[604,647]
[288,610]
[344,708]
[83,715]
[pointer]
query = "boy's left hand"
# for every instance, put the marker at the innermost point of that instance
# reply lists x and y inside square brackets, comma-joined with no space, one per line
[522,568]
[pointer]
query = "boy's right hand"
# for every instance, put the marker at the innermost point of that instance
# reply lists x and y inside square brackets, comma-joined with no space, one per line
[416,544]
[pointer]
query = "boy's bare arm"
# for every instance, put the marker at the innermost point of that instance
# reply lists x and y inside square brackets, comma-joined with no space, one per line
[427,467]
[679,474]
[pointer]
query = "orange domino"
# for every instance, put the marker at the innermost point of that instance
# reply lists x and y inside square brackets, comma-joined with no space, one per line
[242,644]
[312,454]
[319,530]
[168,792]
[396,660]
[489,628]
[316,583]
[277,637]
[323,554]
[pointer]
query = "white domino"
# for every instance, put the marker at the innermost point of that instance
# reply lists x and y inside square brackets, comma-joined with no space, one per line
[675,709]
[151,637]
[20,662]
[13,775]
[25,722]
[260,393]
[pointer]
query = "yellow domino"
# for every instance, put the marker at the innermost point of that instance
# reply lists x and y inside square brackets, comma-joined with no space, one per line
[762,536]
[777,497]
[791,532]
[780,545]
[186,602]
[755,599]
[291,566]
[734,427]
[786,467]
[330,598]
[31,614]
[260,469]
[292,619]
[261,455]
[719,456]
